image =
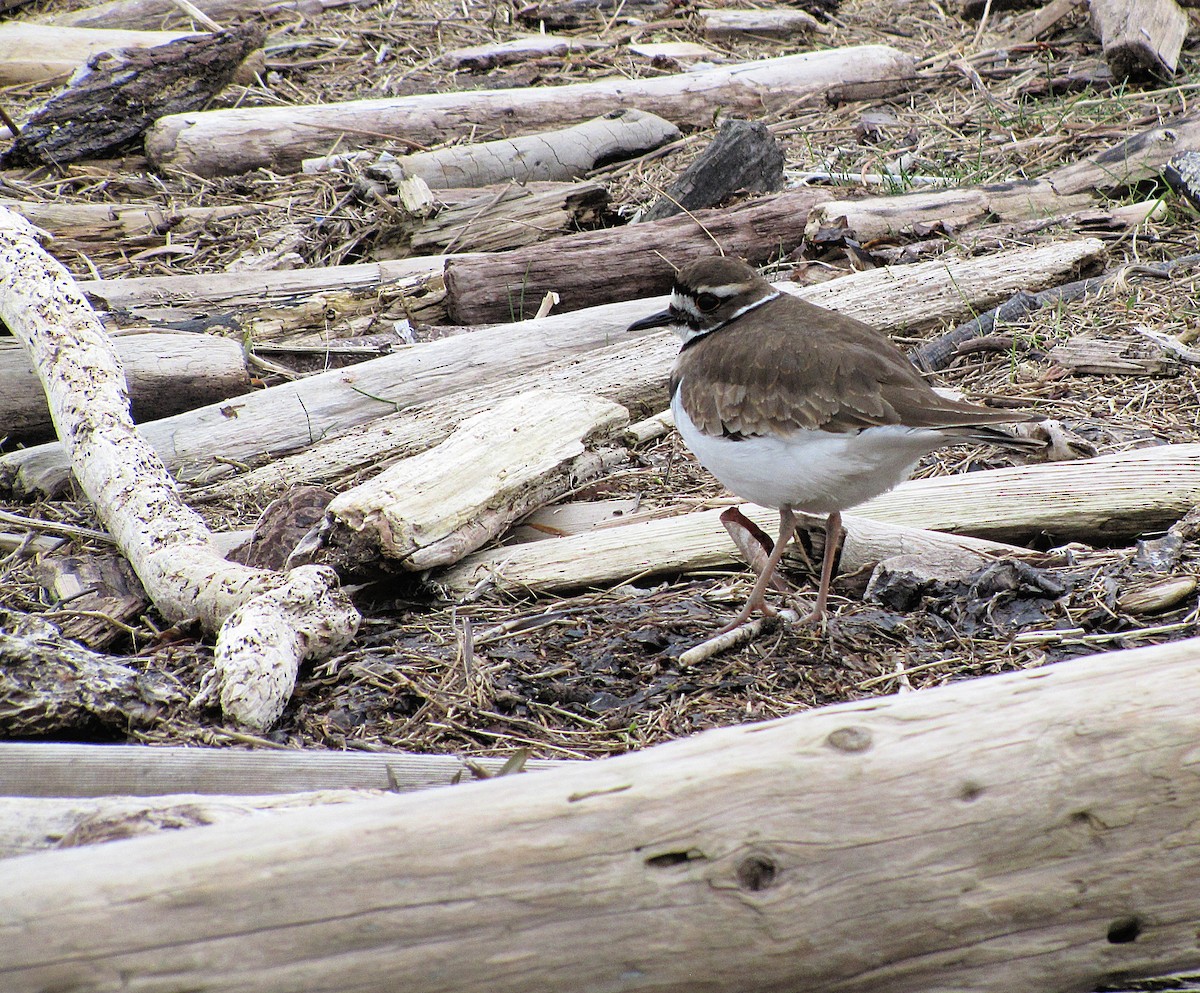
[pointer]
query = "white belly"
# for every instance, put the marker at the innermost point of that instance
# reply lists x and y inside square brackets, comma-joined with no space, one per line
[813,471]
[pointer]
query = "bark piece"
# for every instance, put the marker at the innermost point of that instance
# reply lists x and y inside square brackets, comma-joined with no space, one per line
[729,24]
[292,416]
[267,622]
[224,142]
[743,157]
[167,373]
[424,512]
[146,14]
[512,217]
[552,156]
[97,593]
[123,94]
[479,58]
[31,53]
[947,831]
[49,684]
[1140,36]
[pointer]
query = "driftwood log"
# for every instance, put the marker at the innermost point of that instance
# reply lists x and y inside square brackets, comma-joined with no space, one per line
[731,25]
[1022,833]
[297,414]
[478,58]
[223,142]
[166,374]
[147,14]
[266,622]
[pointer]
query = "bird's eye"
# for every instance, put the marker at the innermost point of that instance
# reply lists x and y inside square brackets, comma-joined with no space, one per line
[707,302]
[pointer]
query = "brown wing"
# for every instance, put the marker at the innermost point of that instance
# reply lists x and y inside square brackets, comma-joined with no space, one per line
[799,365]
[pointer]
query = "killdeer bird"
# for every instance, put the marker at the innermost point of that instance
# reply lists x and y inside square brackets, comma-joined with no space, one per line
[800,408]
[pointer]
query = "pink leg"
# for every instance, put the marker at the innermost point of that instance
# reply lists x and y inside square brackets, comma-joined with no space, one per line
[833,536]
[756,601]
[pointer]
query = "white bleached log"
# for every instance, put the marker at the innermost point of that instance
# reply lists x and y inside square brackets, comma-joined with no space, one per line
[1031,832]
[1140,36]
[224,142]
[147,14]
[168,545]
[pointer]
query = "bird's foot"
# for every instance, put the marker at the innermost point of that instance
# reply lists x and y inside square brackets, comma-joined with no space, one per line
[754,603]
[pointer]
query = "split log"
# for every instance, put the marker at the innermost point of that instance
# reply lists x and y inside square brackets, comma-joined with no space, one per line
[294,415]
[30,53]
[1140,37]
[1112,498]
[512,217]
[1020,833]
[166,374]
[267,622]
[98,594]
[549,156]
[624,263]
[1109,357]
[480,58]
[425,512]
[224,142]
[608,556]
[124,92]
[730,25]
[147,14]
[56,769]
[743,157]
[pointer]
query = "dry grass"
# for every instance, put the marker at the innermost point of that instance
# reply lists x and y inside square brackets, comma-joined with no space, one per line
[599,673]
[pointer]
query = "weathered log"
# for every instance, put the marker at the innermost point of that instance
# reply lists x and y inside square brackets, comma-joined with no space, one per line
[579,13]
[1112,498]
[731,24]
[424,511]
[99,594]
[549,156]
[57,769]
[607,556]
[479,58]
[624,263]
[30,53]
[1140,36]
[1085,355]
[743,157]
[123,93]
[512,217]
[294,415]
[166,373]
[1137,159]
[1022,833]
[223,142]
[281,300]
[148,14]
[267,622]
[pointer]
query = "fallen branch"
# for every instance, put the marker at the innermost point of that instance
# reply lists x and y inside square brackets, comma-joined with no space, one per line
[225,142]
[1021,833]
[300,616]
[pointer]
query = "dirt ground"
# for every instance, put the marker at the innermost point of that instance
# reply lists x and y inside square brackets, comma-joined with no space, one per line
[599,672]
